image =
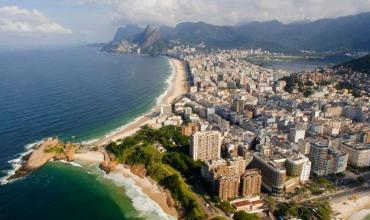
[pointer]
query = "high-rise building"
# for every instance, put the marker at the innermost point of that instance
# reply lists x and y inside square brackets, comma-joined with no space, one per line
[214,169]
[303,147]
[306,170]
[326,160]
[294,166]
[296,134]
[365,136]
[251,181]
[358,153]
[166,109]
[189,129]
[205,145]
[238,105]
[228,187]
[273,173]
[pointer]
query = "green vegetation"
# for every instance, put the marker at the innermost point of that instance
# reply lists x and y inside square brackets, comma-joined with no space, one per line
[360,181]
[292,83]
[271,203]
[321,185]
[226,207]
[344,85]
[316,210]
[183,163]
[241,215]
[359,65]
[164,168]
[219,218]
[55,149]
[324,83]
[308,93]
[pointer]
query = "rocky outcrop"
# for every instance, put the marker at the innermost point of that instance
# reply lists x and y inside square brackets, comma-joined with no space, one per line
[148,37]
[138,170]
[108,166]
[169,200]
[37,158]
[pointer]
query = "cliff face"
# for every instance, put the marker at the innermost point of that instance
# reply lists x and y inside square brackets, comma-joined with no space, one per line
[126,41]
[148,37]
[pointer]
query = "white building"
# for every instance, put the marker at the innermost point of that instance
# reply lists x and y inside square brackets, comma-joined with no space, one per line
[206,145]
[306,170]
[296,134]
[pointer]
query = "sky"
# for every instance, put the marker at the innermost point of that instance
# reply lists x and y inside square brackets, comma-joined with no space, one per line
[43,22]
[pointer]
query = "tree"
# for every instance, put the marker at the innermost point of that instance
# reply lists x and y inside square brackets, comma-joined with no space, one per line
[271,203]
[307,93]
[241,215]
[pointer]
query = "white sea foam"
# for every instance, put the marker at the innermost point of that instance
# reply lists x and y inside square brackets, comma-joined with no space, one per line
[141,202]
[17,162]
[70,163]
[89,141]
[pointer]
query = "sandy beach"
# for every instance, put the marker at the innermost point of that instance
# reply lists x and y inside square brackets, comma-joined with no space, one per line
[146,185]
[90,156]
[150,188]
[351,208]
[177,87]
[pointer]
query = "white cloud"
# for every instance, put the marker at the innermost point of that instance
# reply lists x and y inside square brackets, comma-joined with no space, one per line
[15,19]
[229,12]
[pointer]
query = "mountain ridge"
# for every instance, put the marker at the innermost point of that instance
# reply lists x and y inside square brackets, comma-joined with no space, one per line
[335,34]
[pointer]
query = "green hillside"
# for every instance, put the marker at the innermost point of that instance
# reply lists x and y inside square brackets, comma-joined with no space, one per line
[359,65]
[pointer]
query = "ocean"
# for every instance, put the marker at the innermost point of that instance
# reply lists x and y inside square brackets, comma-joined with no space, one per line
[78,94]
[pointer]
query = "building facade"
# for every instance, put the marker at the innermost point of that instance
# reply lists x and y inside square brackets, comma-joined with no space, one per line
[205,145]
[251,181]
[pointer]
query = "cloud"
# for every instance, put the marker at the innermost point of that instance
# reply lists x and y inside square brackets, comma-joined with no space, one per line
[14,19]
[229,12]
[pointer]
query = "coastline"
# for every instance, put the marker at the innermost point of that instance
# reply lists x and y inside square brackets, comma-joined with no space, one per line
[145,185]
[177,86]
[351,209]
[153,193]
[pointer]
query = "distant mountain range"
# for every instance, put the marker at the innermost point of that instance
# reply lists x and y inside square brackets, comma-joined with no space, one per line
[339,34]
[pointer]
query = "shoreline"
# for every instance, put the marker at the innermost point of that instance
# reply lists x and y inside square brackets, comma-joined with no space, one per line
[177,86]
[348,208]
[145,184]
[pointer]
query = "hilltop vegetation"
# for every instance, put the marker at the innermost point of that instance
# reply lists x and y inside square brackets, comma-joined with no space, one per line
[165,168]
[361,65]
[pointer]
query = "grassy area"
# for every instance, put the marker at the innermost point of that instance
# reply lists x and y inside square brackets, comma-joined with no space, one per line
[166,168]
[320,185]
[315,210]
[241,215]
[55,149]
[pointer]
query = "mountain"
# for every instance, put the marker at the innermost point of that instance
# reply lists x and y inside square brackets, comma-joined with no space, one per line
[127,32]
[148,37]
[361,65]
[338,34]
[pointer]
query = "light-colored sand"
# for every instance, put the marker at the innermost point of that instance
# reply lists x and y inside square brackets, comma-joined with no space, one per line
[351,209]
[360,214]
[90,156]
[177,87]
[150,188]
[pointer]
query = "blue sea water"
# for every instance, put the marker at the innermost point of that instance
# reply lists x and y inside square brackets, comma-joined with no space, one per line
[69,92]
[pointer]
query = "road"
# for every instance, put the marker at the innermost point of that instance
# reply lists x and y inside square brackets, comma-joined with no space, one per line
[338,194]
